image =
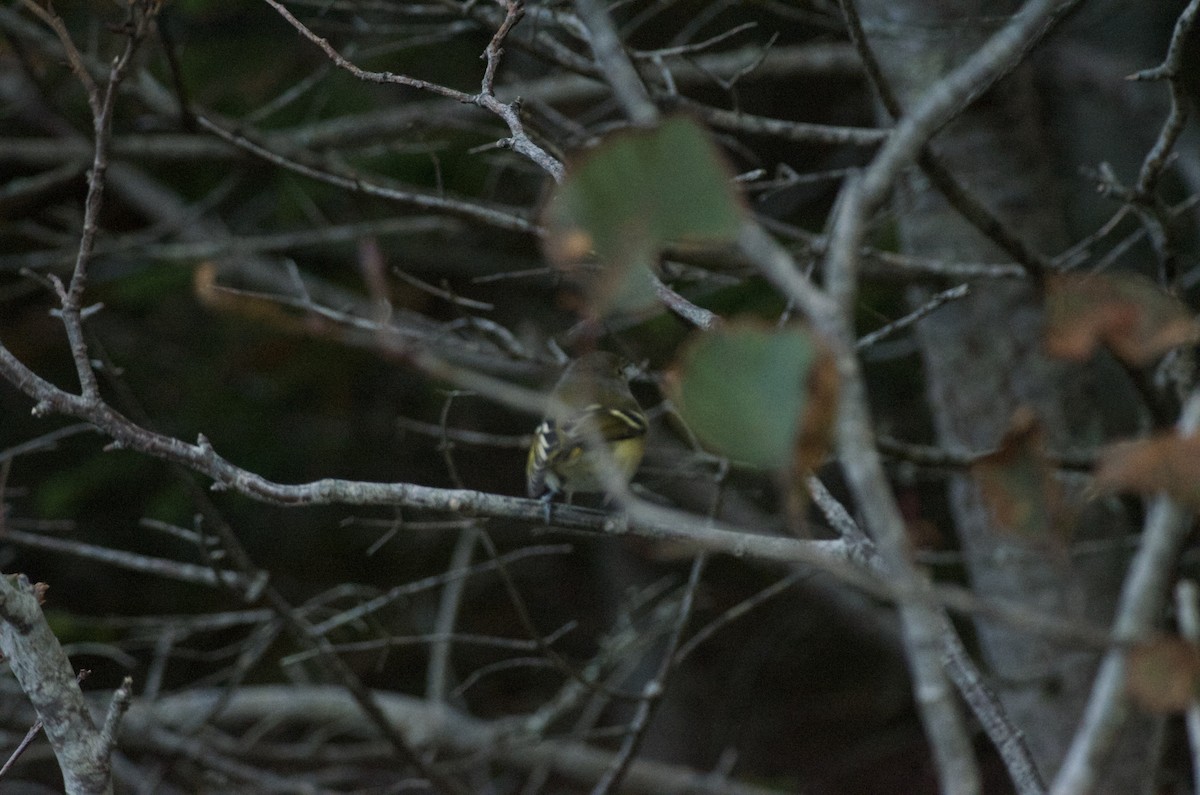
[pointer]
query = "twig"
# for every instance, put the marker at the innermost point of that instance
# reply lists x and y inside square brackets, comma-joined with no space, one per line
[130,561]
[437,672]
[464,436]
[952,294]
[698,316]
[45,442]
[696,47]
[783,129]
[1149,206]
[457,300]
[138,20]
[363,74]
[117,707]
[835,513]
[1169,70]
[509,113]
[525,619]
[356,184]
[361,611]
[444,728]
[614,63]
[734,613]
[988,710]
[884,264]
[35,729]
[943,458]
[26,741]
[435,639]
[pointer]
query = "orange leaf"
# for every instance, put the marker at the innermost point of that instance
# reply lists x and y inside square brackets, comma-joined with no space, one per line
[1164,463]
[815,434]
[1130,314]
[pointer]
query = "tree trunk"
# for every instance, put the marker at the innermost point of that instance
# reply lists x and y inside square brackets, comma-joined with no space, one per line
[983,359]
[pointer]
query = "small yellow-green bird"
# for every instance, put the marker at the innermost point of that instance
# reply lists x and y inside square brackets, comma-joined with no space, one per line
[594,407]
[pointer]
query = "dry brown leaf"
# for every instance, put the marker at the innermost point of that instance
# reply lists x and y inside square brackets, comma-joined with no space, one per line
[1162,675]
[1130,314]
[815,434]
[1164,463]
[1018,484]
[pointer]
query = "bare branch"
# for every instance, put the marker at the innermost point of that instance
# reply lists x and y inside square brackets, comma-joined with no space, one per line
[614,63]
[45,674]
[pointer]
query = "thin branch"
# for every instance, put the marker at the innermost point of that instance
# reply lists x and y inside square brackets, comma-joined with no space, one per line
[363,74]
[74,57]
[988,710]
[614,63]
[478,212]
[437,672]
[442,727]
[436,639]
[944,458]
[926,309]
[464,436]
[22,746]
[835,513]
[736,612]
[1148,205]
[130,561]
[510,112]
[1171,71]
[117,707]
[447,295]
[138,20]
[782,129]
[451,575]
[45,442]
[698,316]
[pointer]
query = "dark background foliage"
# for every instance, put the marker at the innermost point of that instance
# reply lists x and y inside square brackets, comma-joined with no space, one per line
[808,692]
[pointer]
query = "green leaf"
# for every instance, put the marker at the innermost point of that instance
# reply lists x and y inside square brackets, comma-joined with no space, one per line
[635,194]
[760,395]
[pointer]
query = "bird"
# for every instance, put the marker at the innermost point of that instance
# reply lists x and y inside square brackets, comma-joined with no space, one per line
[592,410]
